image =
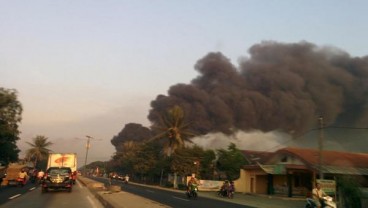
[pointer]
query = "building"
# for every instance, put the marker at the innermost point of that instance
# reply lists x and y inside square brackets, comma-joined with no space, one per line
[292,171]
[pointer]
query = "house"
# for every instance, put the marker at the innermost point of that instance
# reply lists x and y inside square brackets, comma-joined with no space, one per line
[292,171]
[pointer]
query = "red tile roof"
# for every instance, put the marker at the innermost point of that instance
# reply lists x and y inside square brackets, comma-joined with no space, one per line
[332,158]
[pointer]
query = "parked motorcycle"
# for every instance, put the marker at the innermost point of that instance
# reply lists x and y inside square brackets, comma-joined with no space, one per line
[192,192]
[327,200]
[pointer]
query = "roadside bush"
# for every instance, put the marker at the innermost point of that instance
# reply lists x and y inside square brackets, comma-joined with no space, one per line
[182,186]
[169,185]
[350,192]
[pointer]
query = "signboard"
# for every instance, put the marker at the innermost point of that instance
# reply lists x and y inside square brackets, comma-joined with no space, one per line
[328,186]
[63,160]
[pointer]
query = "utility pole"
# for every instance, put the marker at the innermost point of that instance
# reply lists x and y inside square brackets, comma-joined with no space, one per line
[320,145]
[87,148]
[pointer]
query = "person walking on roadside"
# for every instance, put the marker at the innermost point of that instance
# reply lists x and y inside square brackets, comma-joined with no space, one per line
[126,178]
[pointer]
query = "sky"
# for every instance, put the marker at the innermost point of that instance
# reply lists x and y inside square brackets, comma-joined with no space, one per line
[90,67]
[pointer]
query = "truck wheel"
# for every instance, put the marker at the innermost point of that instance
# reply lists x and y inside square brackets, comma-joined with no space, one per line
[44,190]
[70,190]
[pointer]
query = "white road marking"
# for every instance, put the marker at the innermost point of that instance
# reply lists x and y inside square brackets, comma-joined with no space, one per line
[15,196]
[91,202]
[33,188]
[150,191]
[80,185]
[180,198]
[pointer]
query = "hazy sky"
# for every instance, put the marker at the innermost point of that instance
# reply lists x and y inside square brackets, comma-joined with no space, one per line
[90,67]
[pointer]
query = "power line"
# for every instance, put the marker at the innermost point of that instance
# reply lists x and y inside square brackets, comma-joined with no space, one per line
[314,129]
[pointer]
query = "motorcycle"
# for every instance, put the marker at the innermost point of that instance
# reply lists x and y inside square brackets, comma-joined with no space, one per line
[223,192]
[21,181]
[192,192]
[327,203]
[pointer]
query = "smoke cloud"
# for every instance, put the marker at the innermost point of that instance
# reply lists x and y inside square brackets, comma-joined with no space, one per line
[279,87]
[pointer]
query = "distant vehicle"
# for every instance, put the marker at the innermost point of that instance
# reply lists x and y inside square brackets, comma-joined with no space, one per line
[57,178]
[11,174]
[64,160]
[2,172]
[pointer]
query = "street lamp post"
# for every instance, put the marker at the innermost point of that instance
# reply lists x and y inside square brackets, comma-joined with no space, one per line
[320,145]
[87,148]
[196,164]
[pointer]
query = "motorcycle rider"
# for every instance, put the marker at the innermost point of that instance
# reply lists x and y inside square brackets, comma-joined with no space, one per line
[318,195]
[224,190]
[231,190]
[191,182]
[23,176]
[40,175]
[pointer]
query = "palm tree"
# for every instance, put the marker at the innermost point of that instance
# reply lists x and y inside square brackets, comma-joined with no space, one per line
[39,149]
[173,129]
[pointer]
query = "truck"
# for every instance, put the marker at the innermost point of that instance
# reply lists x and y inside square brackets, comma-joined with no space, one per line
[64,160]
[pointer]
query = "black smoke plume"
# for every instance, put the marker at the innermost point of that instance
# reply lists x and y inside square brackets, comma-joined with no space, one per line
[131,132]
[284,87]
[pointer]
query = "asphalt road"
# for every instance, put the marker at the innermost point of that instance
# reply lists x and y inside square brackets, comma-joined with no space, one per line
[172,198]
[30,196]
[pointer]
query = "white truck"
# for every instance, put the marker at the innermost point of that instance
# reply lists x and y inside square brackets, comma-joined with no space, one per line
[64,160]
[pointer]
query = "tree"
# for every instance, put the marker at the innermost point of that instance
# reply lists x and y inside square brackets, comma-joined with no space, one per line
[173,130]
[39,150]
[207,165]
[10,116]
[190,160]
[230,161]
[146,160]
[125,157]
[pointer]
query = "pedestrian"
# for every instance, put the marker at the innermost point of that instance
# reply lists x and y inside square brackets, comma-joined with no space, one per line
[126,178]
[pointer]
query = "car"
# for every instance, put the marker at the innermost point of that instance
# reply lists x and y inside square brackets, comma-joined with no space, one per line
[57,178]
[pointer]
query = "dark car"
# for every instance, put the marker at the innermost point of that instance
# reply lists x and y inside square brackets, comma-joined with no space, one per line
[57,178]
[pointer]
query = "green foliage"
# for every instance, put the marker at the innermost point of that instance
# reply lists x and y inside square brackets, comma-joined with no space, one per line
[194,159]
[125,158]
[145,159]
[207,165]
[169,184]
[182,186]
[350,191]
[10,116]
[39,149]
[173,130]
[230,161]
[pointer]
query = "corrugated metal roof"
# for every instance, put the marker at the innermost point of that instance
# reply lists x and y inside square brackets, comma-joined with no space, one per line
[344,170]
[334,162]
[273,169]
